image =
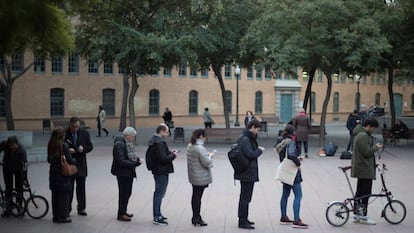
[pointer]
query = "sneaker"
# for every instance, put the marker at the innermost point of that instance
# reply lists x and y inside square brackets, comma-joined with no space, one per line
[160,222]
[367,221]
[285,221]
[299,224]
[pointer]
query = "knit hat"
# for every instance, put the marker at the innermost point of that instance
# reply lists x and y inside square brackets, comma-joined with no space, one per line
[290,129]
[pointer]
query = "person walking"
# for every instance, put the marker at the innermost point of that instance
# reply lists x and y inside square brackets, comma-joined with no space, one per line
[14,168]
[167,117]
[60,186]
[248,118]
[199,163]
[302,125]
[351,123]
[292,154]
[101,121]
[80,144]
[363,166]
[125,160]
[247,178]
[208,120]
[161,159]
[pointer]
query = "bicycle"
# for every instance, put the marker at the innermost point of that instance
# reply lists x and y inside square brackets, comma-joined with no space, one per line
[337,212]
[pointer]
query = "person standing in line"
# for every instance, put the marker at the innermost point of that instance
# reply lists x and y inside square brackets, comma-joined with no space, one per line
[161,159]
[125,160]
[208,121]
[14,167]
[363,113]
[292,154]
[302,125]
[101,121]
[60,186]
[363,166]
[199,163]
[248,118]
[247,178]
[80,144]
[351,123]
[167,116]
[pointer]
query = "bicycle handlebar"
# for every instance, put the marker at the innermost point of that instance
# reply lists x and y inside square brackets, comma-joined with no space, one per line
[344,169]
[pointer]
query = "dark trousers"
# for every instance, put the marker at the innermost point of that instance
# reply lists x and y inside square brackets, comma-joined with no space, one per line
[8,182]
[80,192]
[246,192]
[60,204]
[351,140]
[125,190]
[364,188]
[196,200]
[299,146]
[99,129]
[207,124]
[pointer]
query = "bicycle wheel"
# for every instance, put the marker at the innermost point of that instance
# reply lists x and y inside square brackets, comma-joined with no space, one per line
[37,206]
[337,214]
[16,205]
[394,212]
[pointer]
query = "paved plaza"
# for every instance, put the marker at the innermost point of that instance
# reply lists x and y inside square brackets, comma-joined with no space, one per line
[323,183]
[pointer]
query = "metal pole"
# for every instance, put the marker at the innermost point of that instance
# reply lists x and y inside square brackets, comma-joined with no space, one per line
[236,122]
[358,98]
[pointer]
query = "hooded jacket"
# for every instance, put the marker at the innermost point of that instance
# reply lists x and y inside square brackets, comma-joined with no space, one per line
[363,158]
[161,156]
[122,166]
[251,150]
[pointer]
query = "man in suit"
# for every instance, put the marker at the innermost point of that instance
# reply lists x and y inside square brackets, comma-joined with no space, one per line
[80,144]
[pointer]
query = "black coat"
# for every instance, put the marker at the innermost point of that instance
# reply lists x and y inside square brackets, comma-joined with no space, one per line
[58,182]
[84,140]
[161,156]
[122,166]
[251,150]
[10,164]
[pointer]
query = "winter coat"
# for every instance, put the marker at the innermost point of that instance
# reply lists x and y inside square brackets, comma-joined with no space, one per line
[351,122]
[101,118]
[13,164]
[160,155]
[207,117]
[251,150]
[58,182]
[199,165]
[302,125]
[122,166]
[363,158]
[84,140]
[292,154]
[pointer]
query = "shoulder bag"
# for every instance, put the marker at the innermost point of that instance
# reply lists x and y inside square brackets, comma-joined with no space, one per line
[286,172]
[67,169]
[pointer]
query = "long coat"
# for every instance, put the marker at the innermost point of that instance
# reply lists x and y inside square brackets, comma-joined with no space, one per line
[199,165]
[58,182]
[251,150]
[83,139]
[363,159]
[302,125]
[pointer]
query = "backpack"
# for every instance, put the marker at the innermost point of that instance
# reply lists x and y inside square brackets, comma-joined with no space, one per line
[149,160]
[346,155]
[238,161]
[330,149]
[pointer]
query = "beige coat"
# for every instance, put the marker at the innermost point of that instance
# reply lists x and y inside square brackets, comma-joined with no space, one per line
[102,116]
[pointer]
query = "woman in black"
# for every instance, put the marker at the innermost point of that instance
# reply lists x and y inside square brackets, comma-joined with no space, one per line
[59,185]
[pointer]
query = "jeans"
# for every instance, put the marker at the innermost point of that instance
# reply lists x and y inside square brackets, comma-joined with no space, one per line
[161,183]
[196,200]
[246,192]
[297,190]
[364,188]
[299,146]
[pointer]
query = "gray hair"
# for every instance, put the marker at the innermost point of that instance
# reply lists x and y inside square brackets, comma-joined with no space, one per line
[129,131]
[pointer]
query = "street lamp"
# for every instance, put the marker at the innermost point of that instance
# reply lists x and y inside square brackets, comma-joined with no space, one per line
[237,73]
[358,95]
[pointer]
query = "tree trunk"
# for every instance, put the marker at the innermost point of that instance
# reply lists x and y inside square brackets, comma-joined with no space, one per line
[125,92]
[391,94]
[308,91]
[325,108]
[8,104]
[131,102]
[217,72]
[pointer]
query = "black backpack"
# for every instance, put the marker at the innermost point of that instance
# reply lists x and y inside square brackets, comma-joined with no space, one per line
[149,160]
[238,161]
[346,155]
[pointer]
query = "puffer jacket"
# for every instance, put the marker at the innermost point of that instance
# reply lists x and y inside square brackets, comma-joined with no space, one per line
[363,158]
[161,156]
[199,165]
[251,150]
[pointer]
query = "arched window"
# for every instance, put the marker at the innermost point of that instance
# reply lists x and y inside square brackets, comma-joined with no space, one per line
[193,103]
[57,102]
[154,102]
[108,101]
[336,102]
[313,101]
[229,101]
[258,102]
[2,102]
[377,99]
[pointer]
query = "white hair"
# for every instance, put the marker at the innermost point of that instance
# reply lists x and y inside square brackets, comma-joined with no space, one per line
[129,131]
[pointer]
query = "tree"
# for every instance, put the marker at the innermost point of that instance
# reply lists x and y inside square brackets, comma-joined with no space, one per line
[330,35]
[141,36]
[39,26]
[218,29]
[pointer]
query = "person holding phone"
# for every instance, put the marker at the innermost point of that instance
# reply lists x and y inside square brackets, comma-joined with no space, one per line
[199,164]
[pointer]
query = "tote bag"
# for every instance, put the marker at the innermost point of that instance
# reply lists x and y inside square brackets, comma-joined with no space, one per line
[67,169]
[286,172]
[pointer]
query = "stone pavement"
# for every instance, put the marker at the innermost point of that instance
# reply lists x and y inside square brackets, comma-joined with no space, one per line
[323,183]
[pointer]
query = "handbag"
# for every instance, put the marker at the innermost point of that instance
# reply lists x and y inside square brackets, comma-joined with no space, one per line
[67,169]
[286,172]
